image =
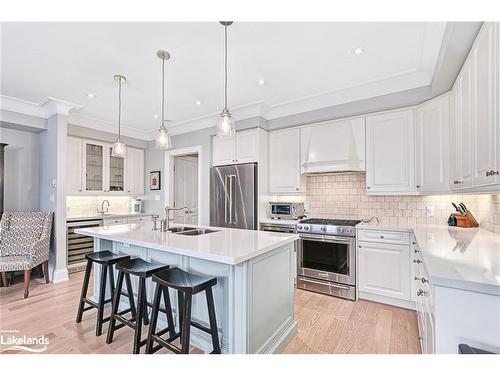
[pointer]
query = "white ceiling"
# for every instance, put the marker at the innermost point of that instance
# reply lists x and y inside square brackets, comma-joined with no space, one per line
[305,65]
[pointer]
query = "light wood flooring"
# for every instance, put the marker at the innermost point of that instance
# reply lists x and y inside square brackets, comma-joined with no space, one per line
[325,324]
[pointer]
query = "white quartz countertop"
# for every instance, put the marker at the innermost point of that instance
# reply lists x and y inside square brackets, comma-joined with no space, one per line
[229,246]
[464,258]
[103,216]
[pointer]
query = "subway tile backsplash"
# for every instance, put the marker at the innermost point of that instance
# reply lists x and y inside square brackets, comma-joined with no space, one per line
[343,196]
[79,205]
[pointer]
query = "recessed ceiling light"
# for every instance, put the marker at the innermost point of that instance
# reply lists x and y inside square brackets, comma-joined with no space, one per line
[156,117]
[358,51]
[90,95]
[261,82]
[198,102]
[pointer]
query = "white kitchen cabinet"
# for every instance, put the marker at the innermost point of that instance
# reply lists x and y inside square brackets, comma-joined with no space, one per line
[285,162]
[432,146]
[384,270]
[94,163]
[455,171]
[134,171]
[390,153]
[242,148]
[74,166]
[485,123]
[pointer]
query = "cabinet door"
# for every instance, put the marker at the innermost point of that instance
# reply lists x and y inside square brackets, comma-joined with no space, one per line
[74,165]
[116,172]
[485,123]
[465,140]
[390,159]
[432,148]
[384,270]
[247,146]
[135,171]
[223,151]
[94,158]
[455,169]
[284,161]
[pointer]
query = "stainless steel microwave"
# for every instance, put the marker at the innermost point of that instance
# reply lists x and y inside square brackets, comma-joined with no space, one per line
[286,210]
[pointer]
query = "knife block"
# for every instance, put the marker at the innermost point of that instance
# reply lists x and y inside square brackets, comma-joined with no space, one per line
[466,221]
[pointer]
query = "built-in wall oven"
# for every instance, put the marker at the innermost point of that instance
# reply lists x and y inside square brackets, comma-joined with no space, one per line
[326,257]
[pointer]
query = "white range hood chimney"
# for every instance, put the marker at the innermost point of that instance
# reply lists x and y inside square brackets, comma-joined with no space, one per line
[336,146]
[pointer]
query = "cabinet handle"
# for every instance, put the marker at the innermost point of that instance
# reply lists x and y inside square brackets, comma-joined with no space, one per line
[423,279]
[416,251]
[420,293]
[456,182]
[417,261]
[491,173]
[418,186]
[413,243]
[381,236]
[359,246]
[420,338]
[368,188]
[297,189]
[80,190]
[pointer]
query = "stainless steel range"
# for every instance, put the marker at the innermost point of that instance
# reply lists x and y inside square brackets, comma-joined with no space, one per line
[327,257]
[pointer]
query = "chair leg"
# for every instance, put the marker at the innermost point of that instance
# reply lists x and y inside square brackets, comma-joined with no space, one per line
[213,321]
[186,323]
[85,288]
[114,307]
[154,318]
[100,304]
[140,316]
[46,271]
[27,278]
[5,280]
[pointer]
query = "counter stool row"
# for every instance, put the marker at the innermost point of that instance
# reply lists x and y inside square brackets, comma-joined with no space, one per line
[185,283]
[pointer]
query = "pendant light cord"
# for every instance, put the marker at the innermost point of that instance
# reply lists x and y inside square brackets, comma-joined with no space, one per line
[162,93]
[119,107]
[225,68]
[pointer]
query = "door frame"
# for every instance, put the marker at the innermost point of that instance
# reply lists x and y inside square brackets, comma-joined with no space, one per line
[168,178]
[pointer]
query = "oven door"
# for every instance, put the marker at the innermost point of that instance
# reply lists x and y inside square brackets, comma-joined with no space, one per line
[327,258]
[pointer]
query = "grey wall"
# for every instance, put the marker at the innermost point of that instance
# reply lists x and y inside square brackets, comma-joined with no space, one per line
[22,185]
[80,131]
[154,160]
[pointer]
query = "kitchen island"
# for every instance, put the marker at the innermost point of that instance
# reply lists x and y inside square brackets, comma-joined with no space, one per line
[255,270]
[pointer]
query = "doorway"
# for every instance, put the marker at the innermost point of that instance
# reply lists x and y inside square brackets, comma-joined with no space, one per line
[185,186]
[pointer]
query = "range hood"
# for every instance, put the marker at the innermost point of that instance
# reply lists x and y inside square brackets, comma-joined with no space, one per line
[336,146]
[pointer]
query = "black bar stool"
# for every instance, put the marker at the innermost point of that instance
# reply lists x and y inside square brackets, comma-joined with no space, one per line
[143,269]
[106,259]
[186,285]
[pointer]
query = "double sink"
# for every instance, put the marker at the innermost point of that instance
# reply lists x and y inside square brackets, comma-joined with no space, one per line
[189,231]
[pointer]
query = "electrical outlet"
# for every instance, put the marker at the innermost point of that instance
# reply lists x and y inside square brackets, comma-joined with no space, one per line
[52,198]
[430,211]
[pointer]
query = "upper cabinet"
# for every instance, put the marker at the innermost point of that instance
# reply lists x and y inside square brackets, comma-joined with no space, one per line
[390,153]
[242,148]
[432,146]
[285,161]
[91,169]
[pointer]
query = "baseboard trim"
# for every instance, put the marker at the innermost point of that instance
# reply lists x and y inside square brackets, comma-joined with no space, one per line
[60,275]
[410,305]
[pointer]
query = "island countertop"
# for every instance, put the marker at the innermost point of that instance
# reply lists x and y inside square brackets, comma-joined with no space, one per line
[225,245]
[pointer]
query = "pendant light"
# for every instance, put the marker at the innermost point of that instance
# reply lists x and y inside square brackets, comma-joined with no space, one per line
[119,149]
[163,140]
[225,126]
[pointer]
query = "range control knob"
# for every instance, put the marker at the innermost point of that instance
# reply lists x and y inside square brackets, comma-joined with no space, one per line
[323,228]
[299,227]
[340,230]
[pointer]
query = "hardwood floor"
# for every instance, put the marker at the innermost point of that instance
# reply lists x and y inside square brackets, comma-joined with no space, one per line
[325,324]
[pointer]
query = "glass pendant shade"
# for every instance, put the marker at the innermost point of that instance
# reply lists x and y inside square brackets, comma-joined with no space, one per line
[163,140]
[225,126]
[119,149]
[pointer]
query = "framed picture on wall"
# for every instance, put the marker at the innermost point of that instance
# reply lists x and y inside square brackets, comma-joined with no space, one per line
[155,180]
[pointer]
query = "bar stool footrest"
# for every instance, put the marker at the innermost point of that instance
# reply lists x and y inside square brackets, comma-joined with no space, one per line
[201,327]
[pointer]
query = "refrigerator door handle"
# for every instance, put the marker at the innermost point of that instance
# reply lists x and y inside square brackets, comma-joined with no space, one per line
[231,198]
[226,199]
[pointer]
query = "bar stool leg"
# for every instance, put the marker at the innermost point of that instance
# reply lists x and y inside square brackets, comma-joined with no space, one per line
[180,304]
[111,280]
[130,293]
[140,316]
[102,294]
[85,288]
[186,323]
[154,319]
[168,307]
[114,308]
[145,301]
[213,321]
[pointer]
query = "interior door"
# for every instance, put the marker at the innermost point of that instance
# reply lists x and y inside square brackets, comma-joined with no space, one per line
[186,188]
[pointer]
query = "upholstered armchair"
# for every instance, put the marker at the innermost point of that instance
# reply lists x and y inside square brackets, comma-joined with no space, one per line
[24,244]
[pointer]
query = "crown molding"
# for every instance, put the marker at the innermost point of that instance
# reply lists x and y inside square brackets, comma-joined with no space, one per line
[48,107]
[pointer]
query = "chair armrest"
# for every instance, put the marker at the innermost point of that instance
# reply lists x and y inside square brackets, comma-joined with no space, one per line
[39,250]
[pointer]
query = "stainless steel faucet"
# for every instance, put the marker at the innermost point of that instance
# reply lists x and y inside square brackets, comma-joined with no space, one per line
[102,207]
[165,223]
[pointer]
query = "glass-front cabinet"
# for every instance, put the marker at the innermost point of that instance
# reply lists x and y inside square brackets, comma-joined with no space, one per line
[94,166]
[116,172]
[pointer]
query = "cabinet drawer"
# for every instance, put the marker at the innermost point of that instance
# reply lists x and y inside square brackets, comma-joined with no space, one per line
[115,221]
[384,236]
[140,219]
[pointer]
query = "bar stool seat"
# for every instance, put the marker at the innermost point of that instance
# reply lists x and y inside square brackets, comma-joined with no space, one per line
[106,259]
[186,284]
[143,270]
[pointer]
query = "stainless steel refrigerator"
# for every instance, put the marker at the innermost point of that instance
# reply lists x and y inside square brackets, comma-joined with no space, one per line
[233,196]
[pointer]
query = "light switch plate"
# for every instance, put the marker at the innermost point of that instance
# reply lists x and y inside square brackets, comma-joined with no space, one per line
[430,211]
[52,198]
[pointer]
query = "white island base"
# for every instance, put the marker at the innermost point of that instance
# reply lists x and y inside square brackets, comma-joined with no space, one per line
[254,299]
